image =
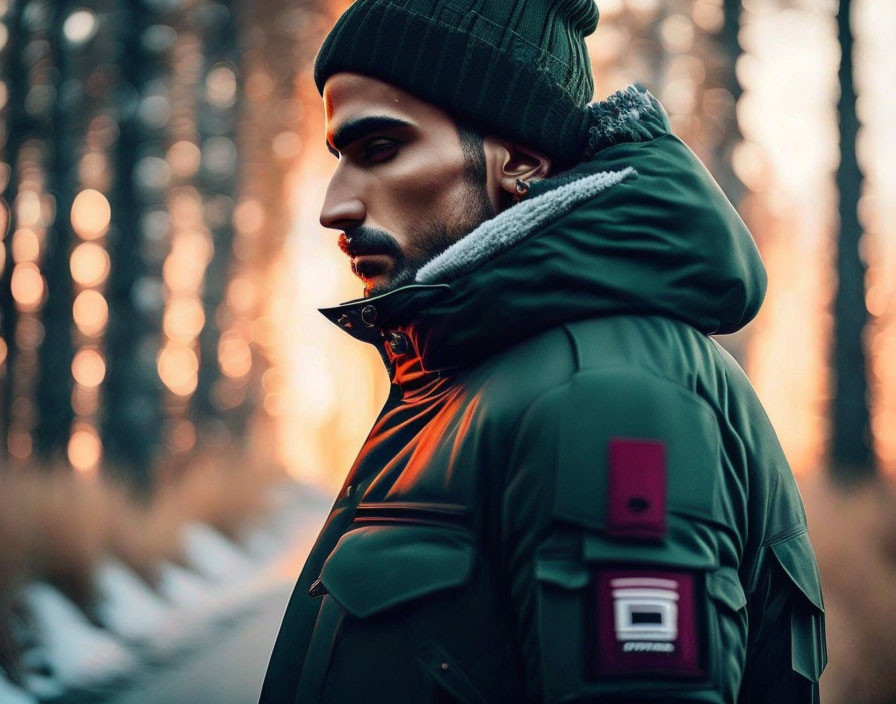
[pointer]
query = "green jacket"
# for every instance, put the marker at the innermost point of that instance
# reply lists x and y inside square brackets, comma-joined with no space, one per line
[572,493]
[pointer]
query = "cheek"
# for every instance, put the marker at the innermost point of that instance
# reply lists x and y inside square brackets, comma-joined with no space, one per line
[421,186]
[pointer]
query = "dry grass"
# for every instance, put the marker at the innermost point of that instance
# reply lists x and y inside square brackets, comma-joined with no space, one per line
[854,534]
[56,526]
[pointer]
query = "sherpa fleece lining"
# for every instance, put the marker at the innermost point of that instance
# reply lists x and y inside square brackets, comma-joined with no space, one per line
[501,232]
[626,116]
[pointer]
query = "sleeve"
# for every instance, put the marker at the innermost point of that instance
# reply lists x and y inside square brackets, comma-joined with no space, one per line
[786,651]
[622,526]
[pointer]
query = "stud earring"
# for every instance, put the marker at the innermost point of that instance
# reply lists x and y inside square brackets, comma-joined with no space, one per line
[522,188]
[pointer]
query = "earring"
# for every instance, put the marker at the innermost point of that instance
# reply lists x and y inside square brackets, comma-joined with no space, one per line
[522,188]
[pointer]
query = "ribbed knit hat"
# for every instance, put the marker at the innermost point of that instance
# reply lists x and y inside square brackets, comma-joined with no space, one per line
[517,69]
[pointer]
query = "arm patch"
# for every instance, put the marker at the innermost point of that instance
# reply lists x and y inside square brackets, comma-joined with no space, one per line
[637,493]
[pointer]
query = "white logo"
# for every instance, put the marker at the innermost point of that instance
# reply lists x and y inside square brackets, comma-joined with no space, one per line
[645,609]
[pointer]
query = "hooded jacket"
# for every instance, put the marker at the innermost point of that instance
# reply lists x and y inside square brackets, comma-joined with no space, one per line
[572,492]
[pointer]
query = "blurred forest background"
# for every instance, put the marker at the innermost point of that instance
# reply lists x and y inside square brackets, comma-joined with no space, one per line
[161,358]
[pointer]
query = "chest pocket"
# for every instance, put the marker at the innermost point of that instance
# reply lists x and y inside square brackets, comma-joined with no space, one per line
[378,567]
[387,591]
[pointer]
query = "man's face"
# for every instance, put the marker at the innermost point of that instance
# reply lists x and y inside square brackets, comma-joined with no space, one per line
[405,188]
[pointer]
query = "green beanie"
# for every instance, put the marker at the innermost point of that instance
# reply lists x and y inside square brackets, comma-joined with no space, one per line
[517,69]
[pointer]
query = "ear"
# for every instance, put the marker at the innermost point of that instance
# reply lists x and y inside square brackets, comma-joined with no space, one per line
[519,163]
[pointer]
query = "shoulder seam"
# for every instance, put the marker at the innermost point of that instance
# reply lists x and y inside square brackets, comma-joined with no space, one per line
[786,535]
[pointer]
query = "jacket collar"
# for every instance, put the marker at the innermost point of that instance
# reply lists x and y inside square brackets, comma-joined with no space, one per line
[387,320]
[638,227]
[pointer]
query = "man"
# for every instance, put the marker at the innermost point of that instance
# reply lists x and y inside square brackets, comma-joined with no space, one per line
[572,493]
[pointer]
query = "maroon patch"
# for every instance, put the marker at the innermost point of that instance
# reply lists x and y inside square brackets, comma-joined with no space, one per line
[646,623]
[637,491]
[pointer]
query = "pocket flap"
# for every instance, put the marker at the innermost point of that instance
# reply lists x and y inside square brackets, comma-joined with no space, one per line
[377,567]
[683,550]
[796,557]
[807,645]
[724,585]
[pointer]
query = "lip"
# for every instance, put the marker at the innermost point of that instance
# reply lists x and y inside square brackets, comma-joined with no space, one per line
[371,265]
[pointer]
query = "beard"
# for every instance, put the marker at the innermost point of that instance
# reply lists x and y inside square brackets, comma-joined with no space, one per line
[429,240]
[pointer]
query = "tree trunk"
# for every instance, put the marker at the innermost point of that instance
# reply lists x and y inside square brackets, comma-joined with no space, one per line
[730,41]
[131,423]
[54,384]
[17,129]
[852,458]
[220,47]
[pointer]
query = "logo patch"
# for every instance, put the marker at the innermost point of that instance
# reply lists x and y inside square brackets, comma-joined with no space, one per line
[646,623]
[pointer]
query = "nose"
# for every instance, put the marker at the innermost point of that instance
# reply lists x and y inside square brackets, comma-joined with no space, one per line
[343,208]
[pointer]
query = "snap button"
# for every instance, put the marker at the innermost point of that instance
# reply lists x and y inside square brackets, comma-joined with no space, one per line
[368,315]
[444,665]
[398,343]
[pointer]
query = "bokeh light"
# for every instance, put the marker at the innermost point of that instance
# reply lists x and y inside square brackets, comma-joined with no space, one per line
[220,86]
[28,209]
[89,264]
[185,265]
[88,367]
[234,356]
[184,158]
[25,245]
[27,286]
[90,312]
[91,214]
[79,27]
[178,368]
[85,448]
[184,318]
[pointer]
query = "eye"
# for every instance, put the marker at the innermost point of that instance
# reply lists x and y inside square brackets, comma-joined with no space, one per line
[379,150]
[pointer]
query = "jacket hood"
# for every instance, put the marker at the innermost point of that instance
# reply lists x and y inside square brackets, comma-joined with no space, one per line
[638,227]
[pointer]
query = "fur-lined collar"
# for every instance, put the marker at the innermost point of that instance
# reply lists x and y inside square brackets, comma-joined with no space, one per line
[632,115]
[501,232]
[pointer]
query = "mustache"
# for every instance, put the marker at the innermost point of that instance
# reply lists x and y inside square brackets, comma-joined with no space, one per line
[368,240]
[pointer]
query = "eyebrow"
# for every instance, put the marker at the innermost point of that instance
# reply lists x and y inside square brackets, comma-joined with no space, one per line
[353,130]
